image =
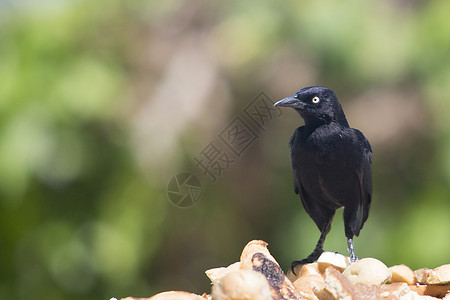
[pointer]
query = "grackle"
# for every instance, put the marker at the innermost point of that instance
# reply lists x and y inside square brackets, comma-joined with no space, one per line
[331,165]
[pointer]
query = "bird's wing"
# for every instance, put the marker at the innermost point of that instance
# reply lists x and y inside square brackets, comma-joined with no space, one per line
[321,214]
[298,189]
[295,135]
[365,180]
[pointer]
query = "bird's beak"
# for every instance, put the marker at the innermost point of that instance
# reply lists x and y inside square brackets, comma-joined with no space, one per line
[290,101]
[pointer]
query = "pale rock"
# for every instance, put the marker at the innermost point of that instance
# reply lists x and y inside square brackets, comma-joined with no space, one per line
[369,271]
[402,273]
[414,296]
[242,285]
[216,274]
[439,275]
[337,286]
[305,285]
[383,291]
[396,290]
[434,290]
[303,270]
[253,247]
[174,295]
[422,275]
[334,259]
[310,269]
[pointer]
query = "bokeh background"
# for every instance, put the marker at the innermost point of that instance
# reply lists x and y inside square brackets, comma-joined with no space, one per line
[102,102]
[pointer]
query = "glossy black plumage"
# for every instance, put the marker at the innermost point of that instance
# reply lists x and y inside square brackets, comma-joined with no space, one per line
[331,164]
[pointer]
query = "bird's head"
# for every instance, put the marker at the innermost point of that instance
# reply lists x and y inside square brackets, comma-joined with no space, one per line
[316,105]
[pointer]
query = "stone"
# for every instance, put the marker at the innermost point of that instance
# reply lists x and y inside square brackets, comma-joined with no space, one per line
[368,271]
[216,274]
[242,285]
[304,285]
[334,259]
[439,275]
[402,273]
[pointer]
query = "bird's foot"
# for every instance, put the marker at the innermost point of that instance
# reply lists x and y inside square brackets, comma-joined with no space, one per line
[310,259]
[351,251]
[296,263]
[353,258]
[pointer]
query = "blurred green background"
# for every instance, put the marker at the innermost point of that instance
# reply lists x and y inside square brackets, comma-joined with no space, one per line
[102,102]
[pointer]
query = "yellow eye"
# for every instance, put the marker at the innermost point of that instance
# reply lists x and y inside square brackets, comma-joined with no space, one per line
[315,100]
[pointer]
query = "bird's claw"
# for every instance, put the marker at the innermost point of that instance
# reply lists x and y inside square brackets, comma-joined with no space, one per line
[353,258]
[351,251]
[296,263]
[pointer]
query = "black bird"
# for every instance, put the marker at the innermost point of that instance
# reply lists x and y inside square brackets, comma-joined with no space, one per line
[331,165]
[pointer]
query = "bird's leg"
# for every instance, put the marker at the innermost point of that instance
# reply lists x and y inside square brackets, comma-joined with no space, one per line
[318,250]
[351,250]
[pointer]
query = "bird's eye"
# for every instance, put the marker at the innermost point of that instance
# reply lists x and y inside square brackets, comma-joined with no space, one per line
[315,100]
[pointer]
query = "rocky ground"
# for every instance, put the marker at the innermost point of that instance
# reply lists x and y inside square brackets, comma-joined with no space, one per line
[258,276]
